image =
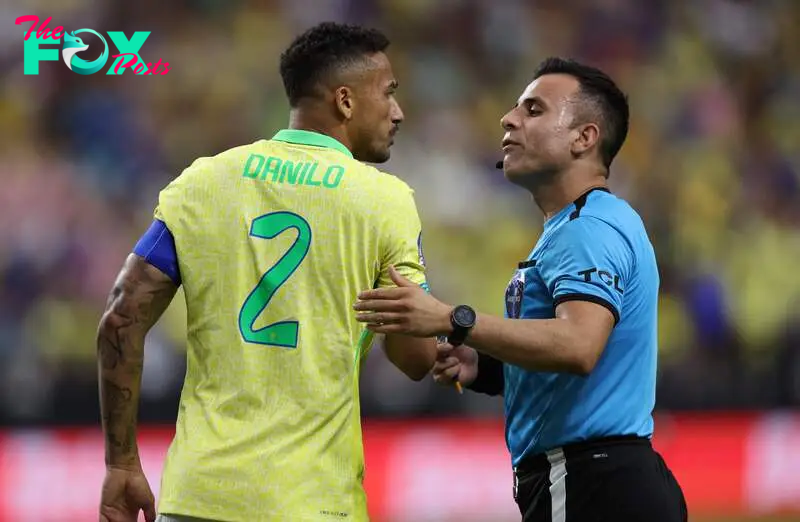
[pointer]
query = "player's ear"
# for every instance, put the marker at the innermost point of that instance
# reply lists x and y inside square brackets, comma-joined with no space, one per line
[344,101]
[586,137]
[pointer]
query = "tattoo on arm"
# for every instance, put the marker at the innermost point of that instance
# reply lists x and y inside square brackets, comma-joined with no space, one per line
[109,346]
[140,295]
[119,400]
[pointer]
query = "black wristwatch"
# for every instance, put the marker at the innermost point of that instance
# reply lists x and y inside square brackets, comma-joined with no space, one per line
[462,318]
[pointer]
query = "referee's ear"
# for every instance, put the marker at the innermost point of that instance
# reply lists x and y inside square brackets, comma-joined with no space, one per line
[587,138]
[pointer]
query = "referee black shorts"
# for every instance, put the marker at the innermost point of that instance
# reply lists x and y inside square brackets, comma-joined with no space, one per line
[618,479]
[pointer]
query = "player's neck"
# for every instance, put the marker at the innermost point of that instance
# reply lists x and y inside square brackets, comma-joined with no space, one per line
[300,119]
[560,190]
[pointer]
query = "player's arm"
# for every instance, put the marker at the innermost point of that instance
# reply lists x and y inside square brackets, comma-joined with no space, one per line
[585,269]
[141,294]
[412,355]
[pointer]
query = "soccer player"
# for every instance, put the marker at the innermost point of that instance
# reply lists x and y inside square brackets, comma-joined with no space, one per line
[271,242]
[575,355]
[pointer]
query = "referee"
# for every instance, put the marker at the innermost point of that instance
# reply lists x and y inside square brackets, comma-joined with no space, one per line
[575,356]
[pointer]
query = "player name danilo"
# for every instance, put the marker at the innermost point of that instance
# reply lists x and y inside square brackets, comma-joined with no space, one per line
[279,170]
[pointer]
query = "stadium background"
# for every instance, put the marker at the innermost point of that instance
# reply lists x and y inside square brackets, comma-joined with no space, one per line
[712,163]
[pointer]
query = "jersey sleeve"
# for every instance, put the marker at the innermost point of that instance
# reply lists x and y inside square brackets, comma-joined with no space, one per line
[157,244]
[402,242]
[588,260]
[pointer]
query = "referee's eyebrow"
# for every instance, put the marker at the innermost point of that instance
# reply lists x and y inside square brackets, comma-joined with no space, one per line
[530,101]
[393,84]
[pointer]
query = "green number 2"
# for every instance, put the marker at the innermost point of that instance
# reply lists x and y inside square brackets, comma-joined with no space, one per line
[283,333]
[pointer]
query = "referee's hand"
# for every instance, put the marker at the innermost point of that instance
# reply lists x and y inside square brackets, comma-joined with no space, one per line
[459,363]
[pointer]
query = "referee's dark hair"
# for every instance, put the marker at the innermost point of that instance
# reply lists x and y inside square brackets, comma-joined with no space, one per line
[607,104]
[322,50]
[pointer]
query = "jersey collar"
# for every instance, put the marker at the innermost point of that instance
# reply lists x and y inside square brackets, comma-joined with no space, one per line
[573,209]
[314,139]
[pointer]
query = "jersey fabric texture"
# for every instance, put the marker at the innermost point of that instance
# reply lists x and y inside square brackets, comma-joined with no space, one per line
[273,241]
[596,249]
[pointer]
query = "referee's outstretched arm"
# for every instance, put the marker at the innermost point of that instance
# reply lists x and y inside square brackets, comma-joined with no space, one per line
[585,270]
[571,342]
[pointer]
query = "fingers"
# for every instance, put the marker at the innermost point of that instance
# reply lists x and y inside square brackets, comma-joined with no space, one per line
[379,318]
[387,329]
[445,363]
[447,375]
[383,293]
[444,348]
[380,306]
[447,367]
[398,279]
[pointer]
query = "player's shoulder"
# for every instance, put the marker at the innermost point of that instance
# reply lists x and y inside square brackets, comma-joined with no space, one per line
[233,157]
[384,184]
[387,179]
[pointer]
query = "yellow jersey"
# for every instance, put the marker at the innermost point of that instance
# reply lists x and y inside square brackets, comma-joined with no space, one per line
[274,241]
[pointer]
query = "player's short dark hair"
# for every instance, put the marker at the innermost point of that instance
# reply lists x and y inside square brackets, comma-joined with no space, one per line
[323,49]
[607,101]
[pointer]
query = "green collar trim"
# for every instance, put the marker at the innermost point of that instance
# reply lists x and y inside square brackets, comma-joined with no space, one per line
[315,139]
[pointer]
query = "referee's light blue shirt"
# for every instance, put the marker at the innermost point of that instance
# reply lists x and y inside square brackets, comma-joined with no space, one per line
[597,250]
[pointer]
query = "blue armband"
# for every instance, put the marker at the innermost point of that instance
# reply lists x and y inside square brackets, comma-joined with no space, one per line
[157,247]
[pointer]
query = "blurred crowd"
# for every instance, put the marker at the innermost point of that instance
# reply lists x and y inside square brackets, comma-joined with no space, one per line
[712,163]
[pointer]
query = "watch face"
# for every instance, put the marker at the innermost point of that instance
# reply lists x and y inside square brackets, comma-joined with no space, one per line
[464,316]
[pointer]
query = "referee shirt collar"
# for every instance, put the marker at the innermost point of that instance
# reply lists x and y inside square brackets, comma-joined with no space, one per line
[314,139]
[558,217]
[573,210]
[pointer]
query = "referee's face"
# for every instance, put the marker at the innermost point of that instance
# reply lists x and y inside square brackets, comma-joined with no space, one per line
[376,113]
[538,133]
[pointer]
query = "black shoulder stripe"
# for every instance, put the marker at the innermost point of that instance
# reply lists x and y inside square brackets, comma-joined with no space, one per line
[581,202]
[526,264]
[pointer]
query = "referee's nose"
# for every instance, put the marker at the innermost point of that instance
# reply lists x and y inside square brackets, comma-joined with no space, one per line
[509,120]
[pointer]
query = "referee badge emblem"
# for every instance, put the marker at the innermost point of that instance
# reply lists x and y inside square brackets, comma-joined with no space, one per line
[514,293]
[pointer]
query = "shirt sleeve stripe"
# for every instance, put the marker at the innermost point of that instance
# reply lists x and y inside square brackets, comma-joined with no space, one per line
[591,299]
